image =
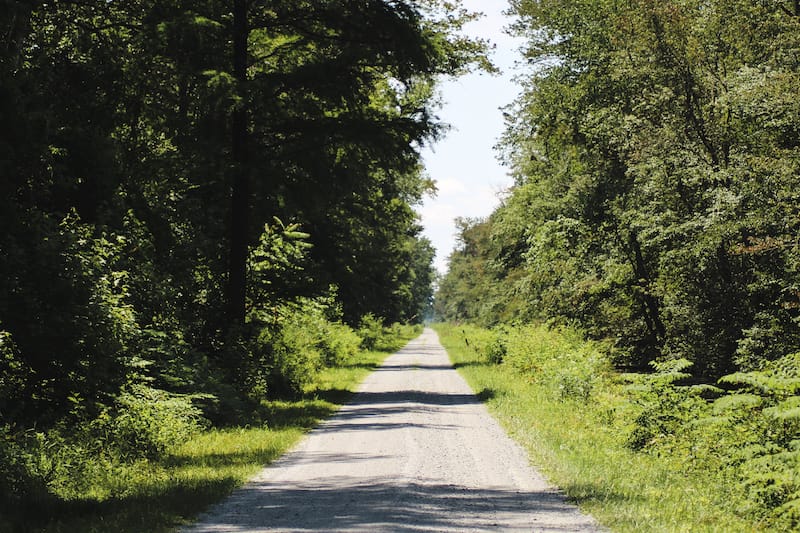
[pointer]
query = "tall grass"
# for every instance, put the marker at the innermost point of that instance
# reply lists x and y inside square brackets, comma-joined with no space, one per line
[557,396]
[160,495]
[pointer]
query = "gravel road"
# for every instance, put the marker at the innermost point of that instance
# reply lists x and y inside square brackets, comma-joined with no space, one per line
[413,451]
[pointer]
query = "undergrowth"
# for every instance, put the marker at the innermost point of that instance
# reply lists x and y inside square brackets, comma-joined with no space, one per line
[643,452]
[153,464]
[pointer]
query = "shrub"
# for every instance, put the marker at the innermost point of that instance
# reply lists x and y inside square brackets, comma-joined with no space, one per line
[665,407]
[560,360]
[146,423]
[23,473]
[479,340]
[339,344]
[14,373]
[395,336]
[498,348]
[69,310]
[36,465]
[288,350]
[764,411]
[370,329]
[297,339]
[748,437]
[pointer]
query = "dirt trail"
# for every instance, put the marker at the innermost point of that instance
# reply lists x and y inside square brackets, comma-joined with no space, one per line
[414,451]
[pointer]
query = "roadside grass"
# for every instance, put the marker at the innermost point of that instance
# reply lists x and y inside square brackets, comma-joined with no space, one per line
[159,496]
[578,443]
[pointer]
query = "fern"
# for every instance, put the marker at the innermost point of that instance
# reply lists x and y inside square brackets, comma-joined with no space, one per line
[737,402]
[764,408]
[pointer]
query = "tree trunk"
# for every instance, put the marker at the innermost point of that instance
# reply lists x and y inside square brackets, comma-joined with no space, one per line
[240,187]
[651,305]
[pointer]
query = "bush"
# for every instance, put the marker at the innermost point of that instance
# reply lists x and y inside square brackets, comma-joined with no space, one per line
[764,411]
[69,294]
[35,465]
[665,407]
[748,437]
[297,339]
[143,424]
[395,336]
[339,344]
[560,360]
[370,329]
[14,373]
[481,341]
[146,423]
[288,351]
[24,466]
[498,348]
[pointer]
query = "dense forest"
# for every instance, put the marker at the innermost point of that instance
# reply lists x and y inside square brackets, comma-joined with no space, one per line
[655,211]
[201,201]
[656,158]
[205,204]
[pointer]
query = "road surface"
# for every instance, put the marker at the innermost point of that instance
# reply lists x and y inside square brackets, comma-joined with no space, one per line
[413,451]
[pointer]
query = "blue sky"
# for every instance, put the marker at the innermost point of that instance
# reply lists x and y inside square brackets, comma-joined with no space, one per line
[464,163]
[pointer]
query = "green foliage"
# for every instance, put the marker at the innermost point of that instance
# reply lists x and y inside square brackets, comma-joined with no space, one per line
[498,349]
[732,448]
[375,335]
[559,360]
[287,354]
[370,330]
[83,343]
[746,435]
[763,408]
[471,289]
[276,263]
[655,184]
[152,265]
[98,493]
[665,407]
[146,423]
[489,345]
[296,340]
[24,469]
[340,344]
[570,366]
[15,374]
[582,446]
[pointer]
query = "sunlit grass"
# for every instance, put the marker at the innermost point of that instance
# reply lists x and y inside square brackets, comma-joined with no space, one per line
[580,447]
[158,496]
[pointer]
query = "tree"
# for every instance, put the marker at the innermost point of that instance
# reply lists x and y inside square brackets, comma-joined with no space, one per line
[640,150]
[333,66]
[150,142]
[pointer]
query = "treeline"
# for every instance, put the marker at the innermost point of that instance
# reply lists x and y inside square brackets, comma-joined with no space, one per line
[656,157]
[199,203]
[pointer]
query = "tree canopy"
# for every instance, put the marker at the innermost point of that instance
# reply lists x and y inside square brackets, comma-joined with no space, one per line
[655,154]
[174,172]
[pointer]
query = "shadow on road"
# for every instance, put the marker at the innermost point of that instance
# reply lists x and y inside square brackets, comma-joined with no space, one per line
[407,398]
[389,506]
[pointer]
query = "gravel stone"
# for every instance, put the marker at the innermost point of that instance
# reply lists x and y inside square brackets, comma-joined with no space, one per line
[415,450]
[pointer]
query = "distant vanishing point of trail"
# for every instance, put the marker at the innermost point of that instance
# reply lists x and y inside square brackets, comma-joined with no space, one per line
[413,451]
